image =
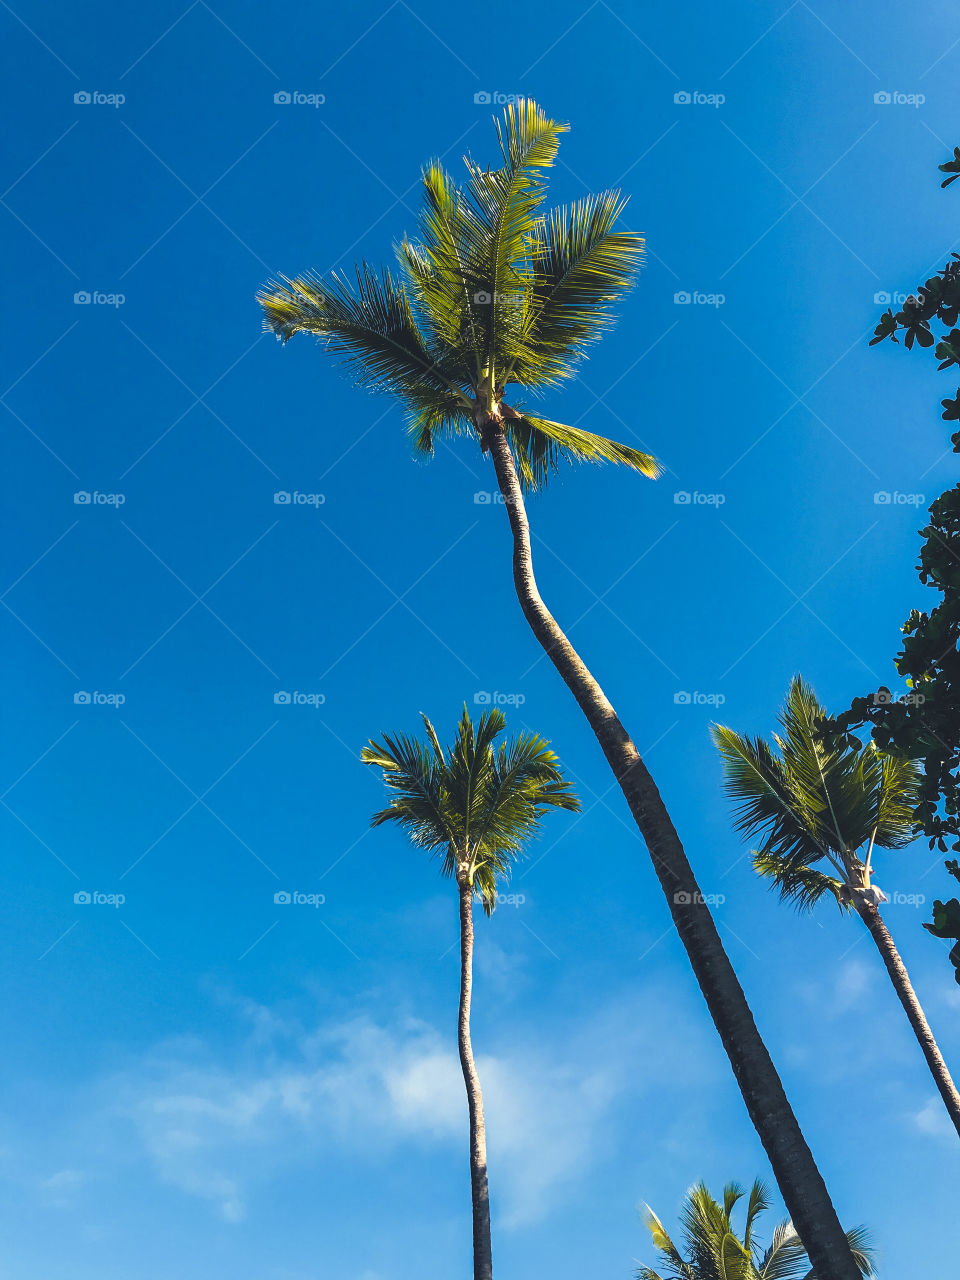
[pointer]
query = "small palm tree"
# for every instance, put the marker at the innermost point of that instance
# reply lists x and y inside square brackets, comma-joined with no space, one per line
[474,805]
[715,1250]
[823,806]
[498,291]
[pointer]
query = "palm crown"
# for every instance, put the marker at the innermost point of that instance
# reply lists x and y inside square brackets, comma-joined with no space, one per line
[494,290]
[717,1251]
[822,798]
[476,803]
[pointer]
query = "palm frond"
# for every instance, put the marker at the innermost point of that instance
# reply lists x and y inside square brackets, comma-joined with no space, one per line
[798,883]
[369,323]
[477,802]
[896,800]
[821,798]
[540,445]
[581,267]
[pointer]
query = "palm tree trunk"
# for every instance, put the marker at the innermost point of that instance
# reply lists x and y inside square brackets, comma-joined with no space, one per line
[482,1256]
[798,1177]
[904,988]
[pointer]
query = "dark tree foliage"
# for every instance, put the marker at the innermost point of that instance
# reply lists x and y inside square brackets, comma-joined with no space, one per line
[925,725]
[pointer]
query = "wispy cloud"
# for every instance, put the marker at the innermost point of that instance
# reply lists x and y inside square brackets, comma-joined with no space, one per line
[361,1088]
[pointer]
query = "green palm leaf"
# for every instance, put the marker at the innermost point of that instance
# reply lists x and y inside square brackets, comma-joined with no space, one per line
[820,800]
[480,800]
[714,1249]
[492,291]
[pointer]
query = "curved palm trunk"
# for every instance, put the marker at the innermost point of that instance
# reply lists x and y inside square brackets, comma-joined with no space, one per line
[798,1177]
[482,1257]
[904,988]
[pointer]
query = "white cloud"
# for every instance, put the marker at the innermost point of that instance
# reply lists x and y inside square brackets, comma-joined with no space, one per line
[934,1121]
[215,1131]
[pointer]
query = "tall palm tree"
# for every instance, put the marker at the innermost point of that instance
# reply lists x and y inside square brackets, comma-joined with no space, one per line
[475,806]
[497,291]
[716,1250]
[826,799]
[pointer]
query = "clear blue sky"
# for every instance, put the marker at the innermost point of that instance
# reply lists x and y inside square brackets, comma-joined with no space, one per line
[202,1082]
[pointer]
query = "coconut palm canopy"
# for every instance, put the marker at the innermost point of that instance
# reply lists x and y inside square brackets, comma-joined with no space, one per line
[474,804]
[494,290]
[816,795]
[715,1250]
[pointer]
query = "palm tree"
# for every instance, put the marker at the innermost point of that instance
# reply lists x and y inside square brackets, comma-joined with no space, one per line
[474,806]
[497,291]
[715,1250]
[828,799]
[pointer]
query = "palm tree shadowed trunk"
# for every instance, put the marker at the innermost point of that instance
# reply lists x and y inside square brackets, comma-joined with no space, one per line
[482,1257]
[804,1190]
[897,970]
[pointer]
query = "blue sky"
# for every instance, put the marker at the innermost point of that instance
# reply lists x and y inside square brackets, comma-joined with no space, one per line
[199,1080]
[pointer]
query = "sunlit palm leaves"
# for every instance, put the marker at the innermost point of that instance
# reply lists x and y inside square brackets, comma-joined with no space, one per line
[713,1249]
[493,290]
[477,802]
[816,798]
